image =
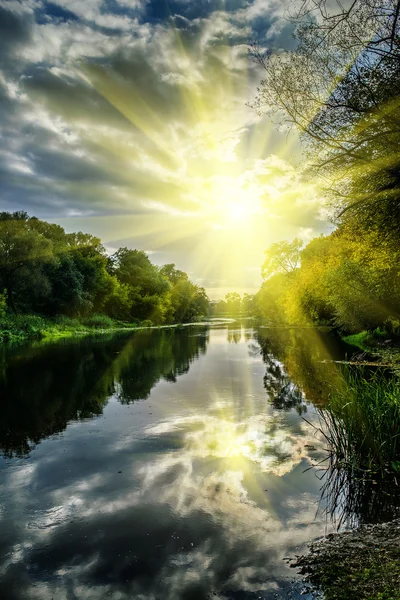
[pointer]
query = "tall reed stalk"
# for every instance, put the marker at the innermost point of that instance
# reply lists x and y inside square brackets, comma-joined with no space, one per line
[362,421]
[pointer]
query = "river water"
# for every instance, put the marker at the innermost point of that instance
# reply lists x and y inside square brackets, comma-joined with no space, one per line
[164,464]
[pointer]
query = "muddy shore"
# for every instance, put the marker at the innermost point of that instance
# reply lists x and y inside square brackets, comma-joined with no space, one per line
[363,564]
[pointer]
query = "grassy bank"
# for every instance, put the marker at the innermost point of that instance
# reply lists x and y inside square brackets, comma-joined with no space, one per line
[21,328]
[383,344]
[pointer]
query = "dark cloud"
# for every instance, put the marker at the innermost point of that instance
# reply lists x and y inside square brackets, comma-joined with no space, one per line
[15,32]
[162,10]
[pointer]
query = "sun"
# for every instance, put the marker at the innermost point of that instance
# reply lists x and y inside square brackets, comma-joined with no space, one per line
[232,203]
[238,211]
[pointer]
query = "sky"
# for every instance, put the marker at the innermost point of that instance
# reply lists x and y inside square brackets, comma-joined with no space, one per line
[130,120]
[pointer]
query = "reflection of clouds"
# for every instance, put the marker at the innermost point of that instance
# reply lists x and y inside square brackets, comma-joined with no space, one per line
[261,439]
[179,512]
[22,477]
[191,528]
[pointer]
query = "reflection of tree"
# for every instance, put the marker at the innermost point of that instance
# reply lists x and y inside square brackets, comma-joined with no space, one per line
[234,333]
[150,355]
[306,356]
[283,393]
[295,371]
[43,388]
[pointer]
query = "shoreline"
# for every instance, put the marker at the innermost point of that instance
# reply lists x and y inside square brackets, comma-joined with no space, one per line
[51,332]
[360,564]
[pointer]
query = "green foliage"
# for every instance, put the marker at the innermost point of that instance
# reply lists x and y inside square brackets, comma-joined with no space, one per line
[349,281]
[282,257]
[3,305]
[146,323]
[349,119]
[98,321]
[19,327]
[45,271]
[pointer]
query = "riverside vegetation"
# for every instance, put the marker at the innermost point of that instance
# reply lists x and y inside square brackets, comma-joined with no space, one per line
[55,283]
[340,88]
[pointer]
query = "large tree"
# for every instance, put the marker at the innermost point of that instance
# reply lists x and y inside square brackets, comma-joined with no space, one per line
[282,257]
[23,251]
[341,89]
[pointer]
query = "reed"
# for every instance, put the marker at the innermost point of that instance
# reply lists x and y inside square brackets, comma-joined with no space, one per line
[362,422]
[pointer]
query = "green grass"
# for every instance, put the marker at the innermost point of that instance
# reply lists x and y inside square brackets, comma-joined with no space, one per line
[366,340]
[362,422]
[20,328]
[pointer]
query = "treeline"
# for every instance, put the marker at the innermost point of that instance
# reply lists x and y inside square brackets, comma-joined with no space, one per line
[348,279]
[233,305]
[48,272]
[341,89]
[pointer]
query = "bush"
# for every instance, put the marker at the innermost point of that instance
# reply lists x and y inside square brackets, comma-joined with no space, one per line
[146,323]
[19,327]
[99,322]
[392,326]
[64,321]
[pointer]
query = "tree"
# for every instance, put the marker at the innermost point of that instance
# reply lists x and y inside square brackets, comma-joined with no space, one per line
[233,302]
[340,88]
[172,274]
[23,251]
[282,257]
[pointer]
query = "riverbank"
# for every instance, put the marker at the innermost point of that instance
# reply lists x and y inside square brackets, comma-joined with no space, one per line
[363,564]
[23,328]
[26,328]
[379,346]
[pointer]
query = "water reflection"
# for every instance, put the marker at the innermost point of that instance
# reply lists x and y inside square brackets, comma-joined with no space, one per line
[42,388]
[197,493]
[352,499]
[304,357]
[300,366]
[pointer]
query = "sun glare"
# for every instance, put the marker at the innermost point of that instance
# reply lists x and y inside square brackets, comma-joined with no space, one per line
[232,205]
[226,183]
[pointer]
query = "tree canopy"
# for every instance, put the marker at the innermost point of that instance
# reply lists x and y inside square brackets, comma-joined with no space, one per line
[46,271]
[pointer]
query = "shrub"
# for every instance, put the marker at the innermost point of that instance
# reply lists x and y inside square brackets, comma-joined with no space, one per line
[98,322]
[146,323]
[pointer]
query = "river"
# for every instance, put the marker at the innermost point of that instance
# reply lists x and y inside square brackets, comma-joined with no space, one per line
[165,464]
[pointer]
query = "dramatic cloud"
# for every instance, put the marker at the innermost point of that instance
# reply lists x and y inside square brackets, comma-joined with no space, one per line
[131,110]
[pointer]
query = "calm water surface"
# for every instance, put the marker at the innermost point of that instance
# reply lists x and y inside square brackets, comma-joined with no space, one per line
[162,465]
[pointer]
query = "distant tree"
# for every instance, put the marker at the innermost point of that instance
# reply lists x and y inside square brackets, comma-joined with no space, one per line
[233,303]
[248,307]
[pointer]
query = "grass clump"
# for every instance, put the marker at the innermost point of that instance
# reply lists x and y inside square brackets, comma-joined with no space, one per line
[362,422]
[99,322]
[20,328]
[366,340]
